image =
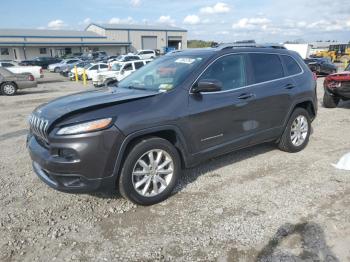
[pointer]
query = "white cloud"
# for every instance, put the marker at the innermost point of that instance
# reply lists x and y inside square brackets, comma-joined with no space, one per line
[117,20]
[86,21]
[166,19]
[252,23]
[56,24]
[135,3]
[192,20]
[218,8]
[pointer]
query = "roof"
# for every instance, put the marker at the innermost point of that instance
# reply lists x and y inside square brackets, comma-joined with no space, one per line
[138,27]
[41,33]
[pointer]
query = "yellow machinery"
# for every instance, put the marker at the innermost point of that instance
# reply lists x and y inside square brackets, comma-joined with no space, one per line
[327,54]
[341,51]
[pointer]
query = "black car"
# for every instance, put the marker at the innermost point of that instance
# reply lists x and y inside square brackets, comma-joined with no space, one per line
[321,66]
[173,113]
[44,62]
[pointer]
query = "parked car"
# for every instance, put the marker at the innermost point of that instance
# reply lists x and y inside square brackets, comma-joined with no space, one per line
[99,56]
[336,88]
[173,113]
[44,62]
[147,54]
[124,58]
[35,71]
[321,66]
[65,70]
[11,82]
[57,67]
[117,72]
[90,69]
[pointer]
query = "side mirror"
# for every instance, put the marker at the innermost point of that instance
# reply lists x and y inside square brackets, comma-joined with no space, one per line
[207,85]
[122,72]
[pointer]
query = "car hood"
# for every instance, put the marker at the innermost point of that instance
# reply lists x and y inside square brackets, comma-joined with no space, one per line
[60,107]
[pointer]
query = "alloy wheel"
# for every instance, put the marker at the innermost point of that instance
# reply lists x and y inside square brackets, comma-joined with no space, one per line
[152,173]
[9,89]
[299,130]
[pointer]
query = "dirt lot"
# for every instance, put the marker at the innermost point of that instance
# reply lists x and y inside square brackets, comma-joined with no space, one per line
[259,203]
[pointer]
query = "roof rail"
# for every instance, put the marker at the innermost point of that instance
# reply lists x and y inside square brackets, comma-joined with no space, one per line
[247,45]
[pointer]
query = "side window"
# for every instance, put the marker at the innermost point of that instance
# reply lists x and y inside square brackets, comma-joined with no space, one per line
[291,65]
[266,67]
[103,66]
[230,70]
[138,65]
[4,51]
[95,67]
[128,67]
[7,65]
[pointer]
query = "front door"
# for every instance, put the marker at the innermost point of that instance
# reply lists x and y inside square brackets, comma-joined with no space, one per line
[218,119]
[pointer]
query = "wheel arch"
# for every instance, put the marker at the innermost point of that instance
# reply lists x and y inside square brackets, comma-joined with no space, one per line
[169,133]
[307,104]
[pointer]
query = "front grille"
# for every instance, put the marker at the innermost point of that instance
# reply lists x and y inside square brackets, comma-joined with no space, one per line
[39,127]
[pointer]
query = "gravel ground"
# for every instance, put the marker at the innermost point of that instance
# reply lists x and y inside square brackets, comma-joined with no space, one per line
[255,204]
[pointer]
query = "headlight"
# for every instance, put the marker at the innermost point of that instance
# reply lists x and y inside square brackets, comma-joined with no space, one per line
[90,126]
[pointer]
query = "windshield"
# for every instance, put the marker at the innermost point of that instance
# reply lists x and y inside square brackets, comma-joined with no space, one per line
[164,73]
[116,67]
[88,65]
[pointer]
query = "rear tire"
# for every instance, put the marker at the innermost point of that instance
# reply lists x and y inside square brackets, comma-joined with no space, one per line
[297,132]
[147,182]
[8,89]
[330,101]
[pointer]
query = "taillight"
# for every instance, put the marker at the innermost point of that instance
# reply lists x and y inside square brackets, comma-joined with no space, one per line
[41,70]
[31,78]
[314,75]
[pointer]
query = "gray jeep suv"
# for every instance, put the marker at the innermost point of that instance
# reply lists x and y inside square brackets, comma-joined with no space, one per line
[175,112]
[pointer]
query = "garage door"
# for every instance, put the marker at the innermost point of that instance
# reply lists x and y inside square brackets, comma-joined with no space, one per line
[149,42]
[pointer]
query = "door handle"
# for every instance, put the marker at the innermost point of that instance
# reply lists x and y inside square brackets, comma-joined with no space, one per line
[289,86]
[246,96]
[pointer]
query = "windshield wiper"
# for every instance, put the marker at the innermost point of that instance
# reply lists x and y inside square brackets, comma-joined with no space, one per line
[136,87]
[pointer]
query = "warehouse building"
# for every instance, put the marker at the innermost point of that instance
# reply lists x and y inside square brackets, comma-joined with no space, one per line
[22,44]
[143,36]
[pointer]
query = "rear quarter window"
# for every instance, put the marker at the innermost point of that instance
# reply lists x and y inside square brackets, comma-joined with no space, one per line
[291,65]
[266,67]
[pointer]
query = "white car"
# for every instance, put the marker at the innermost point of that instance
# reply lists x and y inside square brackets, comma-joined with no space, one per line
[90,70]
[147,54]
[35,71]
[124,58]
[118,71]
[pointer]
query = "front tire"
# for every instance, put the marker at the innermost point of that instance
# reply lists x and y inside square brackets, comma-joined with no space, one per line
[297,132]
[56,70]
[330,101]
[150,171]
[8,89]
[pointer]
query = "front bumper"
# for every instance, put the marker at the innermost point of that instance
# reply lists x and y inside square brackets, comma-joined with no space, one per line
[341,92]
[79,163]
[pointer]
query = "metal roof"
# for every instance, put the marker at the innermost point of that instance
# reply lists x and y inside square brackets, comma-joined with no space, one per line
[43,33]
[138,27]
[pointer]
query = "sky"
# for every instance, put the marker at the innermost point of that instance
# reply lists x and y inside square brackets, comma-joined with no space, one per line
[220,21]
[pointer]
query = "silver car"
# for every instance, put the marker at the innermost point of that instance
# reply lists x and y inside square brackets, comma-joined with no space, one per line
[10,82]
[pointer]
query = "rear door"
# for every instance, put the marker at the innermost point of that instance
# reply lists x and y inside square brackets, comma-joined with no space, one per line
[273,91]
